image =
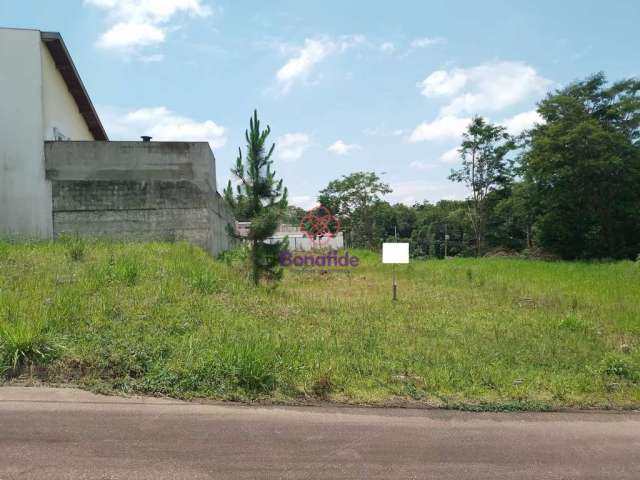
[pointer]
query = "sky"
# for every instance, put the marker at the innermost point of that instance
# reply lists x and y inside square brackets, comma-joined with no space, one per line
[346,86]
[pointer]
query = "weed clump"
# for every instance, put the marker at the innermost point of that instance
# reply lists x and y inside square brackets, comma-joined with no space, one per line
[619,366]
[127,270]
[74,248]
[204,282]
[24,344]
[323,386]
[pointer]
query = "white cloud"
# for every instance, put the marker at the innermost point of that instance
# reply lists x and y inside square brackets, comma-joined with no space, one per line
[486,87]
[124,35]
[299,66]
[522,121]
[342,148]
[450,156]
[151,10]
[291,146]
[387,47]
[306,202]
[410,192]
[314,51]
[142,23]
[442,128]
[162,124]
[443,83]
[425,42]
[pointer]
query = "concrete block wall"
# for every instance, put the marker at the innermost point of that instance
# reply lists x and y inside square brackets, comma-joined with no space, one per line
[137,191]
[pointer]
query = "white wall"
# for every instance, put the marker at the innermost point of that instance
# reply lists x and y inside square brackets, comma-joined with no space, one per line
[33,99]
[300,242]
[59,108]
[25,195]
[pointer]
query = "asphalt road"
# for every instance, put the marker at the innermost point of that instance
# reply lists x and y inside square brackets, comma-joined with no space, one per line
[69,434]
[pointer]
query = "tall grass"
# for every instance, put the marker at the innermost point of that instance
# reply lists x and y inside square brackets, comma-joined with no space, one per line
[24,342]
[75,247]
[483,334]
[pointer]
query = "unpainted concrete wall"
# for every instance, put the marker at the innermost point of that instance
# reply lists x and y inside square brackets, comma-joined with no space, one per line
[138,191]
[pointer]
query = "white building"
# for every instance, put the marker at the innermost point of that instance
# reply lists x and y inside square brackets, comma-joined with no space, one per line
[41,98]
[298,239]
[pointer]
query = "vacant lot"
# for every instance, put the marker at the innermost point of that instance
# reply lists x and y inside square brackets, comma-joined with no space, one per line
[167,319]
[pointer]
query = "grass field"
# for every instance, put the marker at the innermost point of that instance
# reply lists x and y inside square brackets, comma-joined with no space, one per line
[484,334]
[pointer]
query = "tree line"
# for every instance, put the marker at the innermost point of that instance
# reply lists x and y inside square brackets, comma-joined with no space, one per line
[568,187]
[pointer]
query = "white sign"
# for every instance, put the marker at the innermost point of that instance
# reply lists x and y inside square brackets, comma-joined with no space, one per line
[395,253]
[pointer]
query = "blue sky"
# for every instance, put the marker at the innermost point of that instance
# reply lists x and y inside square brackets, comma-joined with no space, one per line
[345,85]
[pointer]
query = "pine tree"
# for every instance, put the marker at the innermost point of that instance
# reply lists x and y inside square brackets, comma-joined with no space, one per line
[259,199]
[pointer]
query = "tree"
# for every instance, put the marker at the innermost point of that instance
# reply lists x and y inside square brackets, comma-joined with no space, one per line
[485,168]
[352,198]
[434,222]
[513,214]
[259,199]
[294,215]
[582,166]
[392,220]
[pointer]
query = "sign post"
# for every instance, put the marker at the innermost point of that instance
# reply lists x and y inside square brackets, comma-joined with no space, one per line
[394,285]
[395,253]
